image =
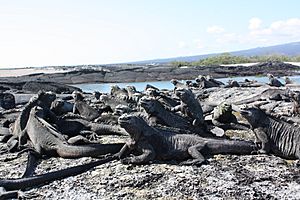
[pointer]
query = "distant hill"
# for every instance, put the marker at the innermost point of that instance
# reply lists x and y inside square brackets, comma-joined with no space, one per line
[289,49]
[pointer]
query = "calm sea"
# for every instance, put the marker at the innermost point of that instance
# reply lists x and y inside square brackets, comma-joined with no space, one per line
[105,87]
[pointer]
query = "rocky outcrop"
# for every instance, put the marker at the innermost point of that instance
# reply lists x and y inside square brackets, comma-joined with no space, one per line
[142,73]
[35,86]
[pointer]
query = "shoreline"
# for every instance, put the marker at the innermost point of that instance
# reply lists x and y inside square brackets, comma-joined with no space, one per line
[143,73]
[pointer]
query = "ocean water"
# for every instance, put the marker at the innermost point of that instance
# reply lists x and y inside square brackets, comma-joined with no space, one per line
[140,86]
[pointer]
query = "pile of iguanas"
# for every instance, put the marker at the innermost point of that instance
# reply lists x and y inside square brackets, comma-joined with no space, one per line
[159,125]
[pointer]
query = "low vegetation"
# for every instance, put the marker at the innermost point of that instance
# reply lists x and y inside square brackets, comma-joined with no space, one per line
[227,58]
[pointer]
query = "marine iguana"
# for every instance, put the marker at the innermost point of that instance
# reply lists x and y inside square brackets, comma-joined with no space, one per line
[164,98]
[232,83]
[14,185]
[47,140]
[72,126]
[43,99]
[189,106]
[7,100]
[204,83]
[156,145]
[274,81]
[133,94]
[60,107]
[224,118]
[178,84]
[295,97]
[119,93]
[211,79]
[276,136]
[158,114]
[288,81]
[82,108]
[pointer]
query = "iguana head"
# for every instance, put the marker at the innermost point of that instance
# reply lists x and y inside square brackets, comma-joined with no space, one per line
[57,106]
[45,98]
[116,90]
[152,92]
[174,81]
[133,124]
[184,94]
[121,109]
[131,89]
[97,95]
[253,115]
[38,111]
[77,96]
[151,105]
[224,108]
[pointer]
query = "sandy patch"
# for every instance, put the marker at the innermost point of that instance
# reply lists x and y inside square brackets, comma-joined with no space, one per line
[27,71]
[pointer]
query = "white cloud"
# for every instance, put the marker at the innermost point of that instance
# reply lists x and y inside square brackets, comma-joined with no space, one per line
[215,29]
[254,23]
[276,32]
[282,29]
[291,26]
[261,32]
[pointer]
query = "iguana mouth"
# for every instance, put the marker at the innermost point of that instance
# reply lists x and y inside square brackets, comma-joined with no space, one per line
[124,119]
[144,102]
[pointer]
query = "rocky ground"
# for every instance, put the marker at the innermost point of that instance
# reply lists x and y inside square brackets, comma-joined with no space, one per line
[142,73]
[224,177]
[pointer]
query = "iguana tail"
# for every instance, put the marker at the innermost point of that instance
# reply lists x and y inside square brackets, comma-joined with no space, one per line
[23,183]
[89,150]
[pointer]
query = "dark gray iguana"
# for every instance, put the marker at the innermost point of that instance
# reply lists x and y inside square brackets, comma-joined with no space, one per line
[83,109]
[156,145]
[274,81]
[47,140]
[13,186]
[189,106]
[44,100]
[275,135]
[158,114]
[225,119]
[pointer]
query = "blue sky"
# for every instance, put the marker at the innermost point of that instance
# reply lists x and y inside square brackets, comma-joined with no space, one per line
[74,32]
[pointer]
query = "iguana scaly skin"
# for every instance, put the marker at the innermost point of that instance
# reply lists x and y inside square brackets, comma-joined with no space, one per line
[160,115]
[171,146]
[44,99]
[275,135]
[60,107]
[47,140]
[73,126]
[83,109]
[189,106]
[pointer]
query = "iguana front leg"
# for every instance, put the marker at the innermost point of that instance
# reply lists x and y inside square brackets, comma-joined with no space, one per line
[32,162]
[147,155]
[198,158]
[14,194]
[262,137]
